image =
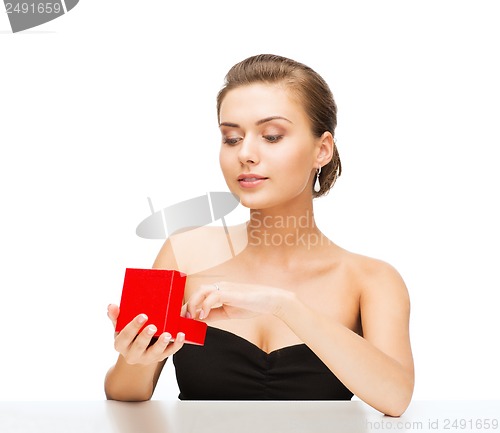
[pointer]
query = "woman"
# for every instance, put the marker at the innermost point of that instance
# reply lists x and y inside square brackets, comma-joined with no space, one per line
[291,315]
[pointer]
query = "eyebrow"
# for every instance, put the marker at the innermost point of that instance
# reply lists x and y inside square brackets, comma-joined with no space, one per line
[259,122]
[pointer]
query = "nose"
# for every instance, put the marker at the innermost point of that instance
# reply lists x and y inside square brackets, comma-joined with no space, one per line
[248,152]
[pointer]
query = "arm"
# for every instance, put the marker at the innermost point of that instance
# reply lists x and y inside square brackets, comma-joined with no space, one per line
[136,372]
[377,367]
[139,365]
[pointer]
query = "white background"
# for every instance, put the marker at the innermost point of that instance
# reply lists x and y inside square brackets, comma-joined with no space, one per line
[115,102]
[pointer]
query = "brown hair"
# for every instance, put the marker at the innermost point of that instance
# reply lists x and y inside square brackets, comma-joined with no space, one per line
[306,85]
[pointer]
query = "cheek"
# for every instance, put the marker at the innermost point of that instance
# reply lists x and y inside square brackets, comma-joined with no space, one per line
[296,168]
[297,161]
[224,162]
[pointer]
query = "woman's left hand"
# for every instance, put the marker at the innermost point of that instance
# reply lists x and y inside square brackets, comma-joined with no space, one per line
[229,300]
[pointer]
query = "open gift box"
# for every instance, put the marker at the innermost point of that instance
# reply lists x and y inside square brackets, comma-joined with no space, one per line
[158,293]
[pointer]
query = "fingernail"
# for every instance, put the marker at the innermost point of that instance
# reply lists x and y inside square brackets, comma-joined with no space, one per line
[142,319]
[166,338]
[188,315]
[181,336]
[151,330]
[202,315]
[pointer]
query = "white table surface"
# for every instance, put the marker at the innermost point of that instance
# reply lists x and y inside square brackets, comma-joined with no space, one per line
[243,417]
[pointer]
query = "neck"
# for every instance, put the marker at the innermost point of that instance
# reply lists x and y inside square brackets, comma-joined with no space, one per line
[283,235]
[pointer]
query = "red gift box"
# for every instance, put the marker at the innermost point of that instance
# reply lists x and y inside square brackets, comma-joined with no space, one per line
[158,293]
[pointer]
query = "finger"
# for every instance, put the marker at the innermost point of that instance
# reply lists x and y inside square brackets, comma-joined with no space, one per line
[140,345]
[113,312]
[218,313]
[157,352]
[194,305]
[127,335]
[179,341]
[212,300]
[164,347]
[184,312]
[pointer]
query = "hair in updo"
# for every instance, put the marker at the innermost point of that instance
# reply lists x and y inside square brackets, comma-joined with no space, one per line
[307,86]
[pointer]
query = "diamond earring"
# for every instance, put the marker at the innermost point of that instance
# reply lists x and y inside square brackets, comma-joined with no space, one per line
[317,186]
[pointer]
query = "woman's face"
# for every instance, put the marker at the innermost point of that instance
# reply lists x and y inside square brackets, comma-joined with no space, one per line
[268,153]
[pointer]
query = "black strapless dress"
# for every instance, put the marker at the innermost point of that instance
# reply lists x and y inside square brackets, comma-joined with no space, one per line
[229,367]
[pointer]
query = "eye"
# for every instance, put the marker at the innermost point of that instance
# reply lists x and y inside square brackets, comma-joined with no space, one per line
[273,138]
[231,141]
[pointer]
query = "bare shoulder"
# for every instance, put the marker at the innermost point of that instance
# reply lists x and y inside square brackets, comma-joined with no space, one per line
[201,248]
[376,278]
[165,258]
[384,307]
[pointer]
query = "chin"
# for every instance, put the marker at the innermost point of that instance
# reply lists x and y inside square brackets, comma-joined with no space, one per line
[254,201]
[262,201]
[266,198]
[251,203]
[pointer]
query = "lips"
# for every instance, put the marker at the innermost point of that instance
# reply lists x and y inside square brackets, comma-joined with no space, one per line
[250,177]
[251,180]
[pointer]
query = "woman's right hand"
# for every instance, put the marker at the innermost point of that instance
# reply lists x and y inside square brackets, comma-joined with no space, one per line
[135,347]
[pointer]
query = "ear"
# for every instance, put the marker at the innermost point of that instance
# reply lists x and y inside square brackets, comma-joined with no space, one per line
[325,149]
